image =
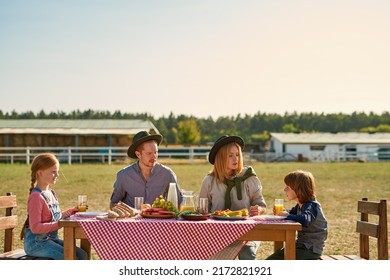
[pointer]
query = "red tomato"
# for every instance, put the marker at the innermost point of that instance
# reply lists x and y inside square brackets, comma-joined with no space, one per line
[218,212]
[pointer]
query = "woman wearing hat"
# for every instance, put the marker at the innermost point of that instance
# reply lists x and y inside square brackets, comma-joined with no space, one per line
[146,177]
[231,185]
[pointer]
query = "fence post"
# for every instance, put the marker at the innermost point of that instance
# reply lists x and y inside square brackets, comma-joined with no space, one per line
[69,155]
[191,155]
[27,155]
[109,154]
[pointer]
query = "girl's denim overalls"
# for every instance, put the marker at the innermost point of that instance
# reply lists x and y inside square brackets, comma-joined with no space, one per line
[48,244]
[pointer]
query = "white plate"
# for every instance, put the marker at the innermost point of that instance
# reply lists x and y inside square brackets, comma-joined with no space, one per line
[90,214]
[269,217]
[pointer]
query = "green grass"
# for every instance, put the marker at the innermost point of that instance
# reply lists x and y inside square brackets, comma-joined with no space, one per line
[339,186]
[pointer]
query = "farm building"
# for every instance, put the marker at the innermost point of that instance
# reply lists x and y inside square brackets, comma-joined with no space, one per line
[76,133]
[349,146]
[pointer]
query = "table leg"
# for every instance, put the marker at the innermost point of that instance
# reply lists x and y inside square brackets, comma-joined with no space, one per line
[289,250]
[69,244]
[86,246]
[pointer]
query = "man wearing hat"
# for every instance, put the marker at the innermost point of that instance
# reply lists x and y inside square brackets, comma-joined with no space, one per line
[231,185]
[146,177]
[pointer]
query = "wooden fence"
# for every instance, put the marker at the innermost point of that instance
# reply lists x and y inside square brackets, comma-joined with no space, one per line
[93,154]
[109,154]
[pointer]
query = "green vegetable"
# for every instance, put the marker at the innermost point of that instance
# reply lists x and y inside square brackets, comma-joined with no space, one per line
[185,212]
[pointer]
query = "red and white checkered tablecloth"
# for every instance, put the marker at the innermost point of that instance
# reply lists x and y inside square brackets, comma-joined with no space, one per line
[165,239]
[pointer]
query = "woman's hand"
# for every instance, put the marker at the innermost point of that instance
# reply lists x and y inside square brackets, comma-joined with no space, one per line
[256,210]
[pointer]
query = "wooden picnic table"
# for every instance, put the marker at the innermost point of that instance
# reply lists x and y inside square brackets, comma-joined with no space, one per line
[277,231]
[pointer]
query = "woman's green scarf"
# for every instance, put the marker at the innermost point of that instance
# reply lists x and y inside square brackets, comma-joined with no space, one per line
[236,182]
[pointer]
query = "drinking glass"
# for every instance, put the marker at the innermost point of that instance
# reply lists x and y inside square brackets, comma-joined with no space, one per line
[279,205]
[82,203]
[138,201]
[203,205]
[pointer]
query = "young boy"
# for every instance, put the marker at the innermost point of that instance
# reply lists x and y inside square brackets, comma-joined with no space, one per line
[300,186]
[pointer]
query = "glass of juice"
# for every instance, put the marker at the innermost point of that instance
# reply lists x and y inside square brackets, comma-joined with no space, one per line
[82,203]
[279,205]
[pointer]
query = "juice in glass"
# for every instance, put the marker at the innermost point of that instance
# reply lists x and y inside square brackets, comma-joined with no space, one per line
[188,201]
[279,205]
[82,203]
[82,208]
[185,207]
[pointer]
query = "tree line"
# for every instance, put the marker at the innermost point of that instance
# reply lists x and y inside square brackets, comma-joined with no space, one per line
[190,130]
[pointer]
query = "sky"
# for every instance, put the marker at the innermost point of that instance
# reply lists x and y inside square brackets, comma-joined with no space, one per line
[205,58]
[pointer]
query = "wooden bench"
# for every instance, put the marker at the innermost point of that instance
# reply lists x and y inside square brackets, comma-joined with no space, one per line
[366,229]
[8,223]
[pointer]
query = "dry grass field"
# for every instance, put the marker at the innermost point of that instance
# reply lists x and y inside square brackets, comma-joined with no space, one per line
[339,186]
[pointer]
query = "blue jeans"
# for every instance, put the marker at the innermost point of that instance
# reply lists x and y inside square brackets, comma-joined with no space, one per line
[47,245]
[301,253]
[248,252]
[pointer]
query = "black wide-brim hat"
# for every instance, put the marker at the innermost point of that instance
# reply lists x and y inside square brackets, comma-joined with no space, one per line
[222,141]
[141,137]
